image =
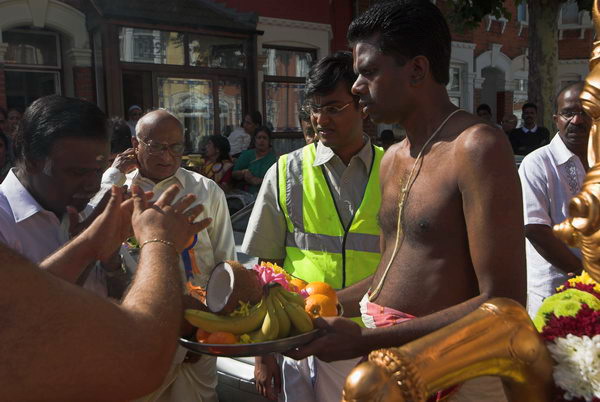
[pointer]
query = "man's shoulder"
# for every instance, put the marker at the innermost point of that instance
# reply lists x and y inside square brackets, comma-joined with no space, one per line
[537,158]
[195,182]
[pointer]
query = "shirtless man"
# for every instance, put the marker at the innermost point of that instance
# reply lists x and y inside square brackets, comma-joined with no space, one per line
[461,239]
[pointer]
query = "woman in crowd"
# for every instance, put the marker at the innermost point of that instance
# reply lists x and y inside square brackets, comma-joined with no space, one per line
[251,166]
[217,164]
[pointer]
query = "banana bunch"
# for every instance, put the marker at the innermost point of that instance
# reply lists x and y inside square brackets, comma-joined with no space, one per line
[285,315]
[237,325]
[279,314]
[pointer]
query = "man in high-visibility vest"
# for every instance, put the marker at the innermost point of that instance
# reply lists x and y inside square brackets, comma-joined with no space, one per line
[316,214]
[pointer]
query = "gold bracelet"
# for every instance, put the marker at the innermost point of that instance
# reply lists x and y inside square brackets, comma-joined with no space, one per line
[168,243]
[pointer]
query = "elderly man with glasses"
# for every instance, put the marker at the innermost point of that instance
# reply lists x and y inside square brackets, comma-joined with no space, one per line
[316,215]
[550,177]
[157,150]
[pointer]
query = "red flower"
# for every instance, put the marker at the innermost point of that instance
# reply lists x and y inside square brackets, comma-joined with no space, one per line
[586,322]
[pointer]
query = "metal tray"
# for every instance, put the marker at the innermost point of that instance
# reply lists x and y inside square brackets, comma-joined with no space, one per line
[250,349]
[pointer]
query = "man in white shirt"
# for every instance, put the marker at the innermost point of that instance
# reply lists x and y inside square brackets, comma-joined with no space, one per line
[550,177]
[62,149]
[158,147]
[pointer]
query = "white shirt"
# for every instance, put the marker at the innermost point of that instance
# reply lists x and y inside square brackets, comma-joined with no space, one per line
[212,245]
[36,233]
[239,141]
[550,177]
[265,235]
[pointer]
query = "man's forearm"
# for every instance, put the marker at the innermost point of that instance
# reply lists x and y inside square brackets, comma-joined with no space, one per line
[100,343]
[552,249]
[70,261]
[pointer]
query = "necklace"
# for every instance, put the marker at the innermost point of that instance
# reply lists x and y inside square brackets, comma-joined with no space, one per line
[402,199]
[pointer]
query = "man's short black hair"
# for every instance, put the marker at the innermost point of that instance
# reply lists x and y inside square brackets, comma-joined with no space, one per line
[53,117]
[529,105]
[303,115]
[405,29]
[4,112]
[484,106]
[579,84]
[326,73]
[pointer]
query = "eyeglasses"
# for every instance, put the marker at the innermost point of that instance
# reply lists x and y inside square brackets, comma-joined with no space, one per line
[570,114]
[155,148]
[329,110]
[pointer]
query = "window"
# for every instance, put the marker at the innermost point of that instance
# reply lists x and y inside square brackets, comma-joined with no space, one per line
[569,13]
[32,66]
[213,51]
[151,46]
[285,72]
[521,85]
[522,12]
[28,48]
[454,86]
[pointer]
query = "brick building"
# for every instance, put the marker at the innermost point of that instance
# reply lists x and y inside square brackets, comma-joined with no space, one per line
[212,61]
[208,62]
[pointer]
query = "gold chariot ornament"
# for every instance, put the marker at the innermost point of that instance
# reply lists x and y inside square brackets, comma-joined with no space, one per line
[497,339]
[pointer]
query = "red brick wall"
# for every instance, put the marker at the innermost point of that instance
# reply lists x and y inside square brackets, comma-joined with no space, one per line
[84,83]
[572,47]
[513,39]
[337,13]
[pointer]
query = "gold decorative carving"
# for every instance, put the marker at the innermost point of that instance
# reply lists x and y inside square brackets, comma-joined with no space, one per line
[497,339]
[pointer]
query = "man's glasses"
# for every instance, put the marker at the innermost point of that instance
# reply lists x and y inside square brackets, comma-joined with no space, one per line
[330,110]
[570,114]
[155,148]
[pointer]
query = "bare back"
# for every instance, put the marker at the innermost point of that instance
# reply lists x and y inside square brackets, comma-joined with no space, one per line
[465,198]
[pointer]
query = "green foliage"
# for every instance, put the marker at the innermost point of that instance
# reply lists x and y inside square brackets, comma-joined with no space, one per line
[466,15]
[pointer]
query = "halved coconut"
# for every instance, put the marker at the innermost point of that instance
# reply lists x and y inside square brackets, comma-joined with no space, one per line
[230,283]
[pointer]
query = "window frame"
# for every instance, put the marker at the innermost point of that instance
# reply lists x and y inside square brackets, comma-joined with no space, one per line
[38,66]
[284,79]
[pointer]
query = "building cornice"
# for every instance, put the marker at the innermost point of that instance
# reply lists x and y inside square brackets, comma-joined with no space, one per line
[574,61]
[281,22]
[463,45]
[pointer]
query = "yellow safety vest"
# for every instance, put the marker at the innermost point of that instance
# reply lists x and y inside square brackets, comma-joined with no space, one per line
[318,247]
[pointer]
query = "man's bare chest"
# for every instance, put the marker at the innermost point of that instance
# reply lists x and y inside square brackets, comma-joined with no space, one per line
[430,208]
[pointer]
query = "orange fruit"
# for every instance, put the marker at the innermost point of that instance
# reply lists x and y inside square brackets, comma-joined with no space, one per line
[202,335]
[222,338]
[321,288]
[298,283]
[320,306]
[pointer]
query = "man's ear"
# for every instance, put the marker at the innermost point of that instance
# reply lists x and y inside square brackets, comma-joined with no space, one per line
[419,70]
[135,143]
[34,166]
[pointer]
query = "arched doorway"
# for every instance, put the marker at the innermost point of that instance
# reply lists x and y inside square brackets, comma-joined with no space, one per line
[492,91]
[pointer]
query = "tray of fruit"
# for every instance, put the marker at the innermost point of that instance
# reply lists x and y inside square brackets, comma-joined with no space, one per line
[274,311]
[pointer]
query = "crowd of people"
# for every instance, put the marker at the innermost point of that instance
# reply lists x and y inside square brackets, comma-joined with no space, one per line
[106,237]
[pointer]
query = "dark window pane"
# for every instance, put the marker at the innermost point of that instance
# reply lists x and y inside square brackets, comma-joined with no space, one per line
[282,103]
[230,105]
[288,63]
[219,52]
[151,46]
[31,48]
[23,87]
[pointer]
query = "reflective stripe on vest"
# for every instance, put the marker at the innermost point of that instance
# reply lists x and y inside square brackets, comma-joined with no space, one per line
[317,244]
